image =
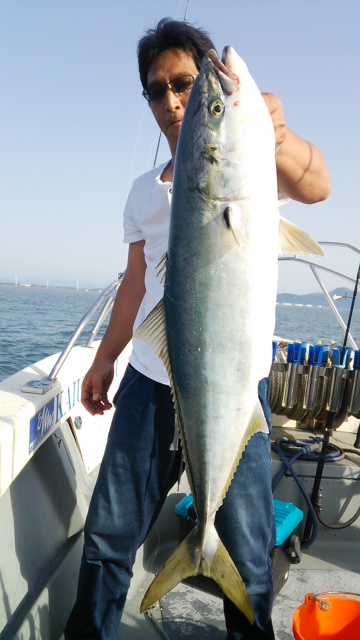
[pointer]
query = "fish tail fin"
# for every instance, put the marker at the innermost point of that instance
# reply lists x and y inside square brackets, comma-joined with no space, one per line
[224,572]
[182,564]
[192,559]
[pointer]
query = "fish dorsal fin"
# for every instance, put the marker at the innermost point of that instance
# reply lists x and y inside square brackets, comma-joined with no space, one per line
[161,268]
[152,332]
[257,422]
[292,239]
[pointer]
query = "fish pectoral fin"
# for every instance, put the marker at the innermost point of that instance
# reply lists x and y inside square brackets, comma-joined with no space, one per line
[292,239]
[187,560]
[233,221]
[226,575]
[152,332]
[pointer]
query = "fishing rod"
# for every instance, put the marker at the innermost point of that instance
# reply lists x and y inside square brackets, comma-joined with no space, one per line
[186,10]
[351,309]
[328,431]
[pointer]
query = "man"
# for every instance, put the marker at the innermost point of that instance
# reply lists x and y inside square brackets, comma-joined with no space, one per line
[138,467]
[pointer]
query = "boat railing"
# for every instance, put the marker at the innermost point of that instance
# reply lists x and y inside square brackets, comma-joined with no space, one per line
[106,299]
[317,268]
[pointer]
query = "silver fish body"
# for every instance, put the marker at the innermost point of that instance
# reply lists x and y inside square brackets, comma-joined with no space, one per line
[214,327]
[221,277]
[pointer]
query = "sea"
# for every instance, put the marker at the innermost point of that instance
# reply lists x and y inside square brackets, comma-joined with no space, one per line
[36,322]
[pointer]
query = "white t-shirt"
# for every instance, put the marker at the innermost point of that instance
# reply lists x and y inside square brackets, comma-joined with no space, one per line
[147,217]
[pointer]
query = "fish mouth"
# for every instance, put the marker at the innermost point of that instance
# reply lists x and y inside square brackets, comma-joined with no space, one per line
[229,81]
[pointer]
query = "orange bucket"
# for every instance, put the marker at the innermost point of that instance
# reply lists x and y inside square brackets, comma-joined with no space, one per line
[325,617]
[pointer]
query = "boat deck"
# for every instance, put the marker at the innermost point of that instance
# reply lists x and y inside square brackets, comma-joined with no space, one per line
[190,613]
[328,564]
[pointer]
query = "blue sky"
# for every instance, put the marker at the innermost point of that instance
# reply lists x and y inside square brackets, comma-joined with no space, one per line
[75,130]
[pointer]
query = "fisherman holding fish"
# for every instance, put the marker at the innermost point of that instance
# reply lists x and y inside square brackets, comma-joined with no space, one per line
[174,339]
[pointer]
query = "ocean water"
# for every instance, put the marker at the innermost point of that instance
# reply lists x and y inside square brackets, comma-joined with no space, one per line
[312,324]
[37,322]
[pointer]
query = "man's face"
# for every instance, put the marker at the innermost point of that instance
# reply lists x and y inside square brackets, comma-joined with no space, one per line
[169,110]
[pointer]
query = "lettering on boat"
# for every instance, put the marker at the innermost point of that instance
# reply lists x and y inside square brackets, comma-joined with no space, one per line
[40,424]
[67,399]
[56,410]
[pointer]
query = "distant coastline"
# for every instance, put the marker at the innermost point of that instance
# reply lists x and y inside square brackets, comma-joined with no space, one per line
[343,296]
[23,285]
[299,304]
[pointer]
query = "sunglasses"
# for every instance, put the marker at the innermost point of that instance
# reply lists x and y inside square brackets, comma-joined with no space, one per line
[157,90]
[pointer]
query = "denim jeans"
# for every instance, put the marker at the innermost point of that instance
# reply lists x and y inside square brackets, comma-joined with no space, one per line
[245,523]
[137,471]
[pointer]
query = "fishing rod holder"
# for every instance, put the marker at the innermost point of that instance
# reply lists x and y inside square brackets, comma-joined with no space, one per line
[292,384]
[354,404]
[336,388]
[315,380]
[296,354]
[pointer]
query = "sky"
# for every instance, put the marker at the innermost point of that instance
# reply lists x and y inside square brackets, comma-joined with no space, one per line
[75,130]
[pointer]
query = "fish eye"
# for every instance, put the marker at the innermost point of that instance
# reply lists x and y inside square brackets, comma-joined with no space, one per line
[216,108]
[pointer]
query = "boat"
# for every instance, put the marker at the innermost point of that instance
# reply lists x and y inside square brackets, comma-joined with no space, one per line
[51,448]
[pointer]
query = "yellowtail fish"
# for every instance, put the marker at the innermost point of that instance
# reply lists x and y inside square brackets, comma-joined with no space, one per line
[214,327]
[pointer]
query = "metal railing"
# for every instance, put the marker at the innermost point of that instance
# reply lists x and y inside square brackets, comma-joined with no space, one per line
[316,268]
[106,299]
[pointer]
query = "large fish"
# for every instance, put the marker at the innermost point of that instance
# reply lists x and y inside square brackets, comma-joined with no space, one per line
[214,327]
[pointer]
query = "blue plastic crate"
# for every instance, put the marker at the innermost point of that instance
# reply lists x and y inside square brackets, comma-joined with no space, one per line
[182,508]
[287,517]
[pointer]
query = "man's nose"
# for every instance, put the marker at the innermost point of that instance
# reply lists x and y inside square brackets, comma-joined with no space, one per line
[171,100]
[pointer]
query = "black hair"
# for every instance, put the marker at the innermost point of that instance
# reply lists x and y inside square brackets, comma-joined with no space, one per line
[169,34]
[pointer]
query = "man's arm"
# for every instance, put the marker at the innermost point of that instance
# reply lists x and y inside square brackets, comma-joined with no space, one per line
[301,169]
[119,332]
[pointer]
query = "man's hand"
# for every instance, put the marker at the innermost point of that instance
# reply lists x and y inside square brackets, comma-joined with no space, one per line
[96,385]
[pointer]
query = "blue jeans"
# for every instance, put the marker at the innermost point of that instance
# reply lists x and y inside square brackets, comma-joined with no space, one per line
[245,523]
[137,472]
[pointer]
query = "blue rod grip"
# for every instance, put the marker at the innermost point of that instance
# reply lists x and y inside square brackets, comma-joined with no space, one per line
[318,354]
[296,352]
